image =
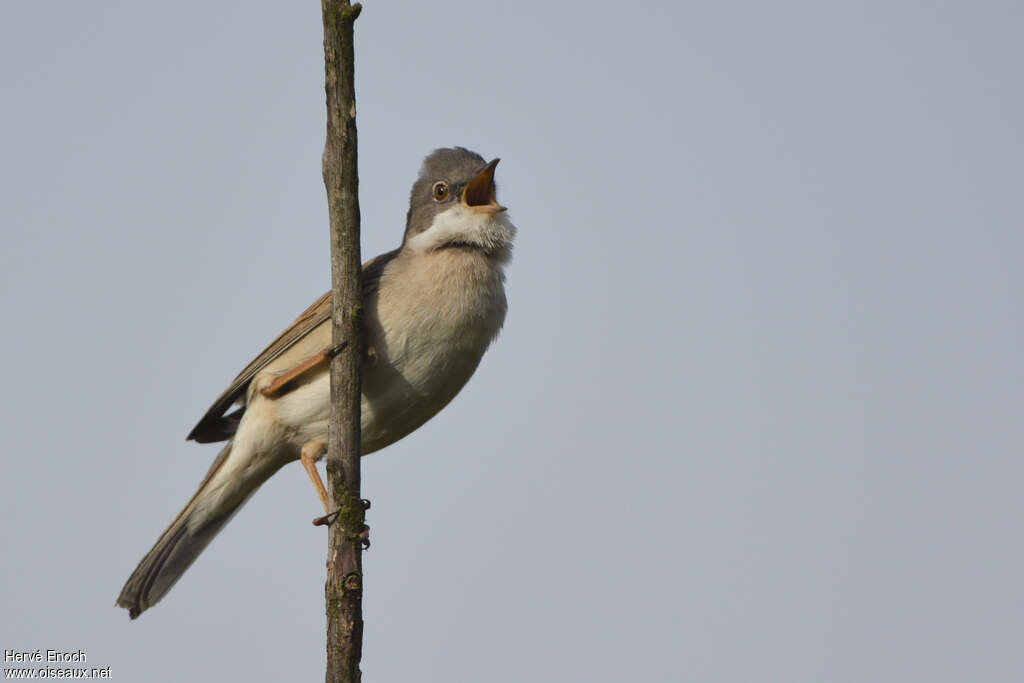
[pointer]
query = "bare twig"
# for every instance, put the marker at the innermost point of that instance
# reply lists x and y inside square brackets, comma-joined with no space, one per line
[344,588]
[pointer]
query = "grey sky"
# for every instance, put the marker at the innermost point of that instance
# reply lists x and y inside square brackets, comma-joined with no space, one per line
[755,413]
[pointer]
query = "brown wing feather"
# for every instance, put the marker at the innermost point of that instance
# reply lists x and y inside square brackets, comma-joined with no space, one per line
[215,425]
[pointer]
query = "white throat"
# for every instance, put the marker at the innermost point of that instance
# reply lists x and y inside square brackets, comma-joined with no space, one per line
[491,232]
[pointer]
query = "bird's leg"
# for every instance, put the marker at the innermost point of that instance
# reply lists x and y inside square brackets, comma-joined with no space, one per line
[314,361]
[363,535]
[310,453]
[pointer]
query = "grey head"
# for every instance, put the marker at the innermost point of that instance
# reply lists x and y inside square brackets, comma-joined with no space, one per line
[453,203]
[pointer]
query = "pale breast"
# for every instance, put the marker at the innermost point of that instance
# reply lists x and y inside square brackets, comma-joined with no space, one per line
[427,327]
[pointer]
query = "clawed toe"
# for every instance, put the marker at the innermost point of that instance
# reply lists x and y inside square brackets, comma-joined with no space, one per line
[327,519]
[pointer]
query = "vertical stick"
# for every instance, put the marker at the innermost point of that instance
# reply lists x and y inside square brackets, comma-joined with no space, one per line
[344,589]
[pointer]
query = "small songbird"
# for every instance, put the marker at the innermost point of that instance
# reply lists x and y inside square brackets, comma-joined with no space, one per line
[432,307]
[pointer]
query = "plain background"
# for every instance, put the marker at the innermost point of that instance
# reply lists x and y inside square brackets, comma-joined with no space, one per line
[756,410]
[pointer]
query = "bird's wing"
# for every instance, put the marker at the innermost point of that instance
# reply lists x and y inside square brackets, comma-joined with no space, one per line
[215,425]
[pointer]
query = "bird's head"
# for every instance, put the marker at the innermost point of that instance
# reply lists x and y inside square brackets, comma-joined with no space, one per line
[453,204]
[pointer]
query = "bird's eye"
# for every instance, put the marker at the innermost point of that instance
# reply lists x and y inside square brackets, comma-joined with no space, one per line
[440,191]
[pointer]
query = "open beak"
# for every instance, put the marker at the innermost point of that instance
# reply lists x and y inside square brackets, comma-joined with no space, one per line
[479,192]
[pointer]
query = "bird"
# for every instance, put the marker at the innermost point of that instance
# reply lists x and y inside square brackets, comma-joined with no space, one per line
[432,307]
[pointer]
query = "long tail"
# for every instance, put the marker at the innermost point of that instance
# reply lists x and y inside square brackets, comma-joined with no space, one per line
[223,491]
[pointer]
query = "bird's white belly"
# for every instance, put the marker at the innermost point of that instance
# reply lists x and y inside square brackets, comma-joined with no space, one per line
[404,385]
[396,398]
[426,340]
[306,409]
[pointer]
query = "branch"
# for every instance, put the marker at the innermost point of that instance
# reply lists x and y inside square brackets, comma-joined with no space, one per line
[344,589]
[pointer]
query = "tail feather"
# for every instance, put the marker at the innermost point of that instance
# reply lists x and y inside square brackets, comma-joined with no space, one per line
[220,495]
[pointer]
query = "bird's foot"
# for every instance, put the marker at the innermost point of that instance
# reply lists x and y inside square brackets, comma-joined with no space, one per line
[331,517]
[327,519]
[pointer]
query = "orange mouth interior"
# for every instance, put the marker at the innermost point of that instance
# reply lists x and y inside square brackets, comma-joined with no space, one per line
[480,190]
